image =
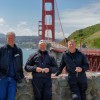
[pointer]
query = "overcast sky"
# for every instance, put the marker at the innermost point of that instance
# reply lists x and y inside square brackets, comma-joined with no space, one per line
[22,16]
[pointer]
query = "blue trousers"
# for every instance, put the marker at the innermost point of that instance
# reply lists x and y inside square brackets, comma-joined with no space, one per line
[42,88]
[78,86]
[7,88]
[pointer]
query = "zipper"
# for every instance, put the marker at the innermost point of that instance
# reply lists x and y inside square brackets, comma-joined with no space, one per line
[7,61]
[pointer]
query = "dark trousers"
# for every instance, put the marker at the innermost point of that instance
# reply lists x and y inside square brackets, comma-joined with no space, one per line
[42,88]
[7,88]
[78,86]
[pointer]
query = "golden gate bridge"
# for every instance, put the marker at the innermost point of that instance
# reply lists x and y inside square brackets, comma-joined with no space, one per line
[44,29]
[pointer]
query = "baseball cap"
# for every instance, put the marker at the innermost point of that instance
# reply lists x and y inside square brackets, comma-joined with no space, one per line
[42,42]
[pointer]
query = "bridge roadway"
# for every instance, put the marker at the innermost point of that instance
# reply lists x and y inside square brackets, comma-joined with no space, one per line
[93,55]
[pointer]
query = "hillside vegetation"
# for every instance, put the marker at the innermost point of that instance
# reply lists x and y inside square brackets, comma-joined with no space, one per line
[89,37]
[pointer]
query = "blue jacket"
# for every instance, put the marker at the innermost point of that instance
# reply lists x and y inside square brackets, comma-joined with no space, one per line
[17,62]
[71,61]
[43,60]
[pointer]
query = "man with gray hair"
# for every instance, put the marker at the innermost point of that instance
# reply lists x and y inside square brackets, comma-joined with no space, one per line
[11,68]
[42,65]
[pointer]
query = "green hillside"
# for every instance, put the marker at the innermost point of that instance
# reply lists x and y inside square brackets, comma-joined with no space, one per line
[89,36]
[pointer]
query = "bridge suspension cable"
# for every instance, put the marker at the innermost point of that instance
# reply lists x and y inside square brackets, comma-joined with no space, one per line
[56,5]
[60,21]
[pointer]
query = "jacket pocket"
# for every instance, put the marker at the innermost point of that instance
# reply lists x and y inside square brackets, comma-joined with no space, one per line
[17,62]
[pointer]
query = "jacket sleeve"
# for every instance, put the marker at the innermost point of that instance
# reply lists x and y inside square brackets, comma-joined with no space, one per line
[85,63]
[30,65]
[53,66]
[21,71]
[1,49]
[62,65]
[0,53]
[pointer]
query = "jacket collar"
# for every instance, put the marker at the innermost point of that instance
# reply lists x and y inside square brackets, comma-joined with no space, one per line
[15,48]
[74,52]
[8,46]
[42,52]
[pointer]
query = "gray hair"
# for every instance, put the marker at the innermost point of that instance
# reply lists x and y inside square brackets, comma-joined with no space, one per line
[10,33]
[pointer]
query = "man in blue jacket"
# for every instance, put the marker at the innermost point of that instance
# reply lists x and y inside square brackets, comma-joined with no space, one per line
[76,64]
[11,68]
[42,65]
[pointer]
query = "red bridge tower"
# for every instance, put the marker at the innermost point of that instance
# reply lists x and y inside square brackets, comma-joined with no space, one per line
[44,26]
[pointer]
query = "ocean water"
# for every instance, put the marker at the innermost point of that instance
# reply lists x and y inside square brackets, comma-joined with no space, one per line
[26,53]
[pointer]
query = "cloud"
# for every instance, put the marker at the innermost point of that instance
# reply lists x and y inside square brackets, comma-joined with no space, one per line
[21,29]
[21,24]
[2,21]
[73,19]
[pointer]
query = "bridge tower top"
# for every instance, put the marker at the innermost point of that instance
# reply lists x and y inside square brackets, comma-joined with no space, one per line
[47,26]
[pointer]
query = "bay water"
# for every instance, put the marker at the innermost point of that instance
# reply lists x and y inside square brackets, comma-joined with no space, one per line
[26,53]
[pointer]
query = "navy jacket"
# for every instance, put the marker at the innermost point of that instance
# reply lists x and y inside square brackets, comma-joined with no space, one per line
[17,62]
[71,61]
[43,60]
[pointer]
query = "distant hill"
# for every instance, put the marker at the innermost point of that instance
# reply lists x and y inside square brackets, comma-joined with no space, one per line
[89,36]
[27,39]
[2,35]
[2,38]
[21,38]
[22,41]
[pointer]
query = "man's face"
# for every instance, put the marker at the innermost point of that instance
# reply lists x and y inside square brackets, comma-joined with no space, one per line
[42,46]
[72,46]
[10,40]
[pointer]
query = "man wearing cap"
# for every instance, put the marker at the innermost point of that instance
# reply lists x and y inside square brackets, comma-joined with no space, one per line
[42,65]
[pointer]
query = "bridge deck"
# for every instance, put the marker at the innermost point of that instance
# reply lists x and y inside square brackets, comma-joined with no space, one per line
[93,55]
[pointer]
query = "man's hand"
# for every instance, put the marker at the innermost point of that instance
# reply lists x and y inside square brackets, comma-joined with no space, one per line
[78,69]
[46,70]
[38,69]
